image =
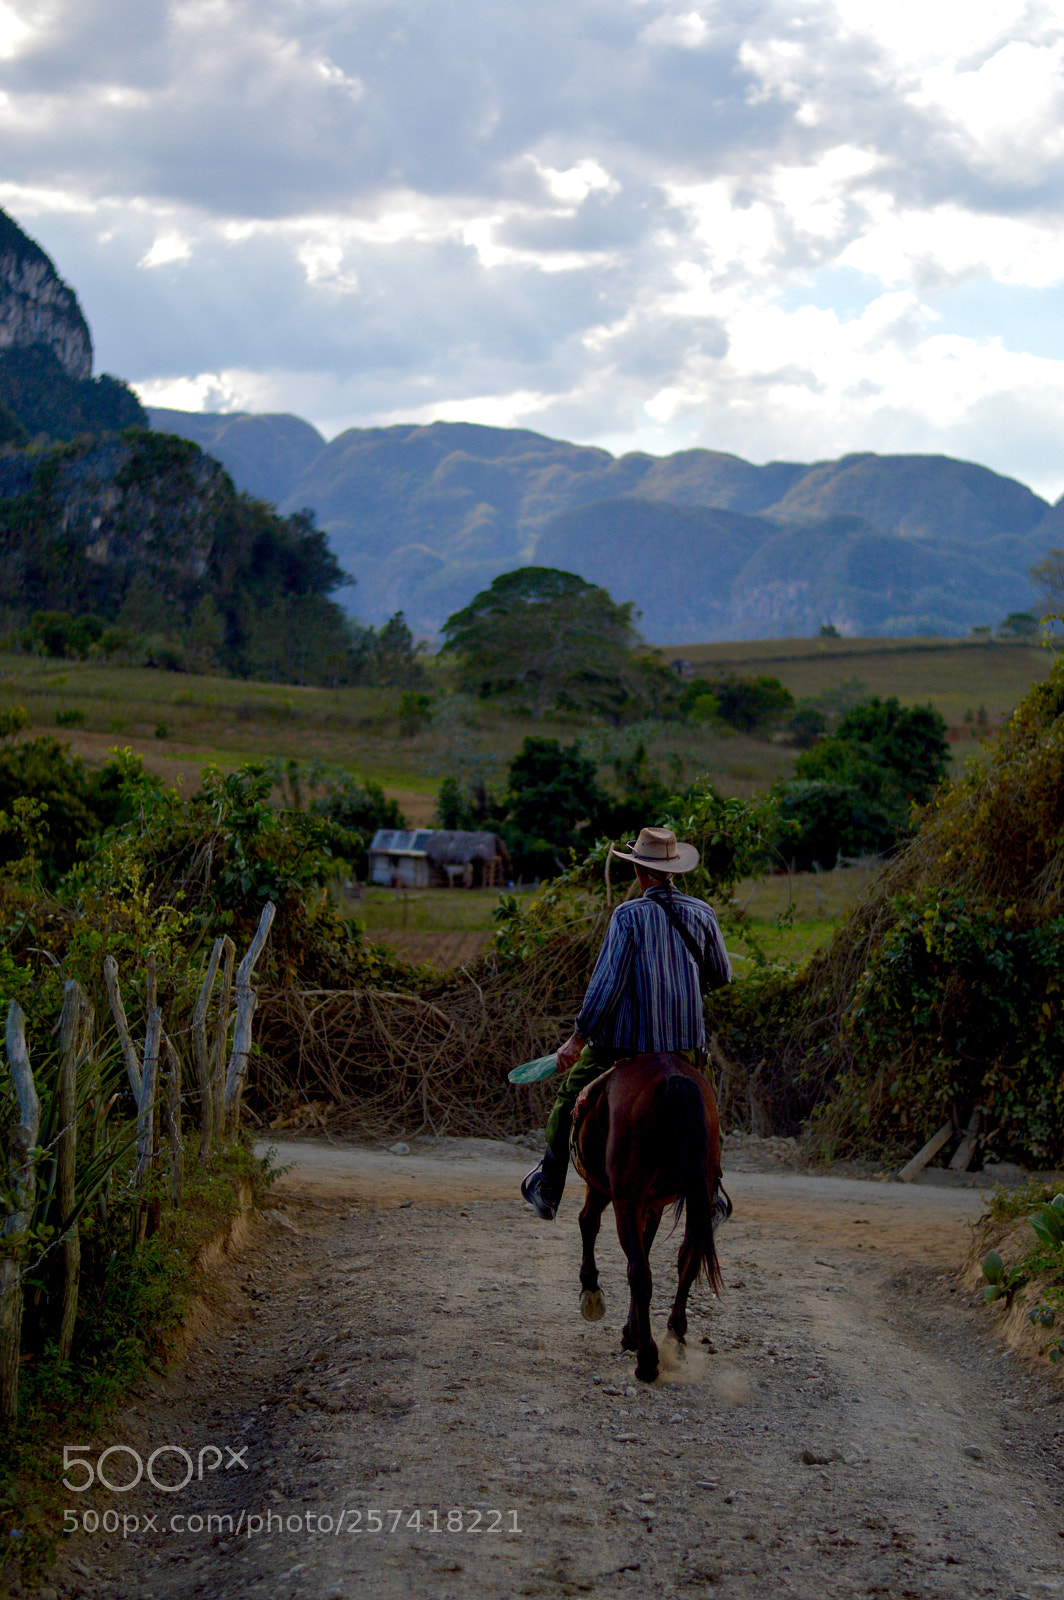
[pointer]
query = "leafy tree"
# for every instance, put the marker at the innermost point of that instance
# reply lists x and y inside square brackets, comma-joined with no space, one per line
[357,810]
[452,807]
[734,838]
[909,741]
[415,712]
[854,793]
[699,704]
[644,794]
[387,657]
[750,703]
[554,803]
[58,634]
[43,398]
[1019,625]
[1048,575]
[145,532]
[75,805]
[541,637]
[807,725]
[741,703]
[297,639]
[468,809]
[822,819]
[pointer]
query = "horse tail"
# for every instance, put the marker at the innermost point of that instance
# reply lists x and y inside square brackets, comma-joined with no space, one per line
[690,1142]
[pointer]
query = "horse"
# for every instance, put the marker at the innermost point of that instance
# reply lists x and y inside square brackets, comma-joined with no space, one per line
[647,1135]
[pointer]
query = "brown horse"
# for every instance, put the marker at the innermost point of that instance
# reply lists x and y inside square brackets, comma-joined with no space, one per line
[647,1136]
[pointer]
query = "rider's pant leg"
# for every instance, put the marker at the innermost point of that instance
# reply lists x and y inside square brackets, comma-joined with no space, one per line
[589,1064]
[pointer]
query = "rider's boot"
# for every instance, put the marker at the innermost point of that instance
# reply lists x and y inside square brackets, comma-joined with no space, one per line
[544,1184]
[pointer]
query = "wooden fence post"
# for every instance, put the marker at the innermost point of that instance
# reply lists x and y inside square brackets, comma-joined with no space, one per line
[146,1122]
[146,1103]
[245,1010]
[173,1123]
[22,1177]
[203,1059]
[221,1036]
[118,1011]
[75,1029]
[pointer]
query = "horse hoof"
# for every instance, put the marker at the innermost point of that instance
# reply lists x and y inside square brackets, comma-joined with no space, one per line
[646,1374]
[592,1305]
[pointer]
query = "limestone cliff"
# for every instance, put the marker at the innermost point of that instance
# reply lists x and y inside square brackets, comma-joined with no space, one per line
[36,306]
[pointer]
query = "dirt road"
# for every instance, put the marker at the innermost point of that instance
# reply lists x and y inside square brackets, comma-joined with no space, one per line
[415,1407]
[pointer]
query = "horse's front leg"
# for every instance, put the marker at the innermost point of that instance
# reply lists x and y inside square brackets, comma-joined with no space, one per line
[633,1231]
[630,1331]
[592,1305]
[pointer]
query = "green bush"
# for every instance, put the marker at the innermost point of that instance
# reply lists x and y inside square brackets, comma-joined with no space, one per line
[854,794]
[745,704]
[942,992]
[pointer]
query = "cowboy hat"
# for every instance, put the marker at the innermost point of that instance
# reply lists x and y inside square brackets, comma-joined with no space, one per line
[657,850]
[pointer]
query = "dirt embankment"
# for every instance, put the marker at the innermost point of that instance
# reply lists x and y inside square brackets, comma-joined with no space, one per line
[417,1408]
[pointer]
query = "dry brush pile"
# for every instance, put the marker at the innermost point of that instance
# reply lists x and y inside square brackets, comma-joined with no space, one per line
[382,1061]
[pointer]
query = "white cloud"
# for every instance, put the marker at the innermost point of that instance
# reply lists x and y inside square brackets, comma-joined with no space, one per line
[166,248]
[578,181]
[913,31]
[323,263]
[948,243]
[686,30]
[1008,111]
[15,32]
[207,391]
[648,224]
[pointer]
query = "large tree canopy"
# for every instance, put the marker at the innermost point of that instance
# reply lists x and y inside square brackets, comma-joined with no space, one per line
[542,637]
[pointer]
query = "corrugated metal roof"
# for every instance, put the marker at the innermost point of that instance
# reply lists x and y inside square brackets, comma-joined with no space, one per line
[440,845]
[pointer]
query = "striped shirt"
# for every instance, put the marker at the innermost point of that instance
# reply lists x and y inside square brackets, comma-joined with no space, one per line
[645,992]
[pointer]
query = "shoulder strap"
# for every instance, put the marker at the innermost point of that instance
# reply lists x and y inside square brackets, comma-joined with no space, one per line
[712,971]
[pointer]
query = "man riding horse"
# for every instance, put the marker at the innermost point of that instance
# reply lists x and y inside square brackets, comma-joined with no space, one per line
[660,953]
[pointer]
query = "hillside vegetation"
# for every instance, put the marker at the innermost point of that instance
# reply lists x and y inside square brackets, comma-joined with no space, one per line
[938,999]
[145,536]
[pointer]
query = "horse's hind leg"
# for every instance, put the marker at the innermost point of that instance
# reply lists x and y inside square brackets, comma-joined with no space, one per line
[592,1305]
[687,1268]
[632,1230]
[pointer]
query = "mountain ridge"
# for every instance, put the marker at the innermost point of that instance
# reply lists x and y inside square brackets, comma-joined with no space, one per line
[424,515]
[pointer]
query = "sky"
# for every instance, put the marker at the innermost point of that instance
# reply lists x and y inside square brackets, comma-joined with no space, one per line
[789,233]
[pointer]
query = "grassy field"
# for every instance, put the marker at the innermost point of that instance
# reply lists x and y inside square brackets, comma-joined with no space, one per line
[954,675]
[793,914]
[788,916]
[179,722]
[427,910]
